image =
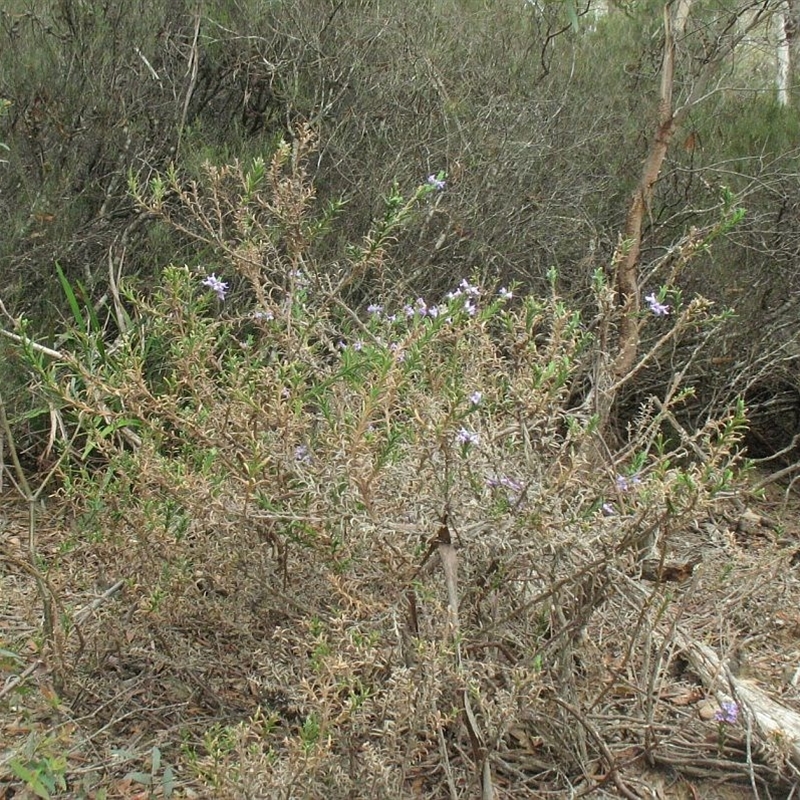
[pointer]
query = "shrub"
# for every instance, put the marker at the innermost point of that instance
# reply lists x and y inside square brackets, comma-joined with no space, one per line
[394,523]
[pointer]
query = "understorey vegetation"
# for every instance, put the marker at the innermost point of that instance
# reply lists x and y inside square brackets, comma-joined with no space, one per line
[328,491]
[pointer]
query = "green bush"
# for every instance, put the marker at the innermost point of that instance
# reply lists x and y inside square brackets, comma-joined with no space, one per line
[279,472]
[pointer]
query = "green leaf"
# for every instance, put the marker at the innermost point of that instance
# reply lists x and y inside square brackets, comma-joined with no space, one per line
[32,779]
[572,15]
[105,432]
[155,760]
[168,781]
[11,654]
[140,777]
[71,299]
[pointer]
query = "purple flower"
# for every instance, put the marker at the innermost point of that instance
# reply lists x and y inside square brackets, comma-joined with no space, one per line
[467,438]
[300,278]
[301,453]
[470,308]
[266,316]
[608,510]
[374,308]
[506,482]
[476,397]
[436,182]
[659,309]
[216,285]
[624,483]
[468,289]
[505,294]
[728,713]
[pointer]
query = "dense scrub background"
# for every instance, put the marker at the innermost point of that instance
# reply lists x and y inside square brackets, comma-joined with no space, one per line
[540,120]
[300,297]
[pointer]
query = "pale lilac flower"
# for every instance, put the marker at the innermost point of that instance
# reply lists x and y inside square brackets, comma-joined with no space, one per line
[470,308]
[301,453]
[299,277]
[266,316]
[504,481]
[421,307]
[453,295]
[374,308]
[608,509]
[408,310]
[476,397]
[399,355]
[505,294]
[358,345]
[437,183]
[216,285]
[624,483]
[511,483]
[467,438]
[728,713]
[468,289]
[659,309]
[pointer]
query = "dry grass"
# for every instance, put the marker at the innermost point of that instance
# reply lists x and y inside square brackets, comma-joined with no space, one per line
[318,687]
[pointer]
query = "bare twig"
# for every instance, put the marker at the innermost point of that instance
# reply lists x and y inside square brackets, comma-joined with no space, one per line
[16,680]
[84,613]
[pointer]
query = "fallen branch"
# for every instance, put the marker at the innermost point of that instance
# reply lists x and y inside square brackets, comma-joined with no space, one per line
[774,722]
[84,613]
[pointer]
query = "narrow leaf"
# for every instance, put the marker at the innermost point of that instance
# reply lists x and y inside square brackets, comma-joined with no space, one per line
[71,299]
[139,777]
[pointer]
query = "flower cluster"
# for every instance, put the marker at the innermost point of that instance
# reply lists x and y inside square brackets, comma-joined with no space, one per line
[505,294]
[436,182]
[505,482]
[659,309]
[301,453]
[466,293]
[467,438]
[626,483]
[728,713]
[216,285]
[464,289]
[421,309]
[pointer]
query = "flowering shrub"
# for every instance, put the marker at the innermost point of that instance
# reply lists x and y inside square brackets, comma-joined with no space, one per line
[265,462]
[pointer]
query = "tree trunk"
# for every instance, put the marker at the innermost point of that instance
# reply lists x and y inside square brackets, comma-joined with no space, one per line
[783,76]
[628,268]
